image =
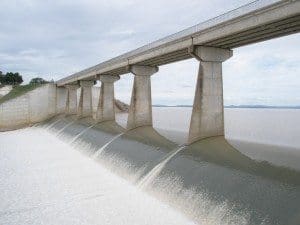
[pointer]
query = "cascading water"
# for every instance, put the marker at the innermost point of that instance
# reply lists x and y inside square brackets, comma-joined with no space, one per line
[66,126]
[52,124]
[100,150]
[81,133]
[148,178]
[63,187]
[210,182]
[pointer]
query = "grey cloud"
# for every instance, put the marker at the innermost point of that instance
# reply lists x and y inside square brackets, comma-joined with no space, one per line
[58,38]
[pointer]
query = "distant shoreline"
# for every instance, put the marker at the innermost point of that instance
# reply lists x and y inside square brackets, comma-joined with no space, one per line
[239,106]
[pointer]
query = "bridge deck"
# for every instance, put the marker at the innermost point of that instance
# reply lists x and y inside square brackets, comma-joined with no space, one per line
[258,21]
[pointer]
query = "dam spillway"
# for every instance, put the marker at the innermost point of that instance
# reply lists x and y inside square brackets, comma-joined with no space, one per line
[53,184]
[75,164]
[209,182]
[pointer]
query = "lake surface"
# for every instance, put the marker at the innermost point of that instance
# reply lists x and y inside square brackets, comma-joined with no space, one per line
[261,133]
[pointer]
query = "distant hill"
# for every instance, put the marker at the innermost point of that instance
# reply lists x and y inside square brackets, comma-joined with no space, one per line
[240,106]
[262,106]
[172,105]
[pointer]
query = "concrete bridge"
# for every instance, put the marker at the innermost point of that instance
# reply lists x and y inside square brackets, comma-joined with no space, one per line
[210,43]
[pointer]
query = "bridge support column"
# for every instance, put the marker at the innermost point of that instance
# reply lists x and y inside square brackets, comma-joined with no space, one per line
[71,103]
[140,111]
[106,105]
[85,100]
[208,111]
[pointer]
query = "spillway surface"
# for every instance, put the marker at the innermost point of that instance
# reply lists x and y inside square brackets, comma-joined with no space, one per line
[45,181]
[45,177]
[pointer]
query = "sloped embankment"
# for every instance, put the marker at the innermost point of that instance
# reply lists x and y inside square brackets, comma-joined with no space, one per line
[18,91]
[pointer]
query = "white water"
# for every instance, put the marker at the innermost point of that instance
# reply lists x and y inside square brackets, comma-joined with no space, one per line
[100,150]
[62,129]
[81,133]
[44,183]
[148,178]
[52,124]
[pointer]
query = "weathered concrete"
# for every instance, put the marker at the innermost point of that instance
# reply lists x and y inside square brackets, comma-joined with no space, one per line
[208,112]
[95,100]
[106,105]
[5,90]
[32,107]
[85,108]
[140,111]
[61,99]
[71,103]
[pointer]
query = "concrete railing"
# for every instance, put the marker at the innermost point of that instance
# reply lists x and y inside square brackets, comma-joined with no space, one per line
[256,21]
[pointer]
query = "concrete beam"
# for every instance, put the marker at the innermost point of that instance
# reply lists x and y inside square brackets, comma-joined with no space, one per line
[71,103]
[208,111]
[140,111]
[257,21]
[106,105]
[85,100]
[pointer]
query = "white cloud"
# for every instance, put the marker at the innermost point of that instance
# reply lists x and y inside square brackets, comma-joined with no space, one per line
[57,38]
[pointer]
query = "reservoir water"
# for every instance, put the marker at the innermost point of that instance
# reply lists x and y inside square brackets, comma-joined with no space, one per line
[70,171]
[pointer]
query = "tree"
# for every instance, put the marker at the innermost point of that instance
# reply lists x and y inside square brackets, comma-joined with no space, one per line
[11,79]
[1,77]
[38,80]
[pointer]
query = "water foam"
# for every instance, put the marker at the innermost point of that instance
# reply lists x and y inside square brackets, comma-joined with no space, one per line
[66,126]
[81,133]
[60,186]
[148,179]
[100,150]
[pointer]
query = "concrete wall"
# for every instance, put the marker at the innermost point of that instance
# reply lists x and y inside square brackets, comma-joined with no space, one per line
[38,105]
[35,106]
[5,90]
[61,99]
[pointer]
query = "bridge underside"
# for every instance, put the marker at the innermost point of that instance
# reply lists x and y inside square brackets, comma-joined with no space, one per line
[268,31]
[264,32]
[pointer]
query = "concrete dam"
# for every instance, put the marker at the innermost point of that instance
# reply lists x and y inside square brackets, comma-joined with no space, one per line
[202,180]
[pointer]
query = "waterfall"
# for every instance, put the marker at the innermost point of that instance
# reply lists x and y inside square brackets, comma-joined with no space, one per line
[100,150]
[52,124]
[82,132]
[148,178]
[61,130]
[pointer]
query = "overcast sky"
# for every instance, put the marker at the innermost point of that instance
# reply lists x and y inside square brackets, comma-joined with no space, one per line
[53,39]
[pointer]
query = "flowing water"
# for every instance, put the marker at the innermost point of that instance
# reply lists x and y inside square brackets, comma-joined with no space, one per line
[45,178]
[66,126]
[100,150]
[149,178]
[54,184]
[82,132]
[52,124]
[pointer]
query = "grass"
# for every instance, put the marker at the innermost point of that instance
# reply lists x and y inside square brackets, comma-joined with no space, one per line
[18,91]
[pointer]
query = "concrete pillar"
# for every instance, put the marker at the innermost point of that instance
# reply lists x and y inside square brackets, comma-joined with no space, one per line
[208,111]
[85,100]
[106,105]
[140,111]
[71,103]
